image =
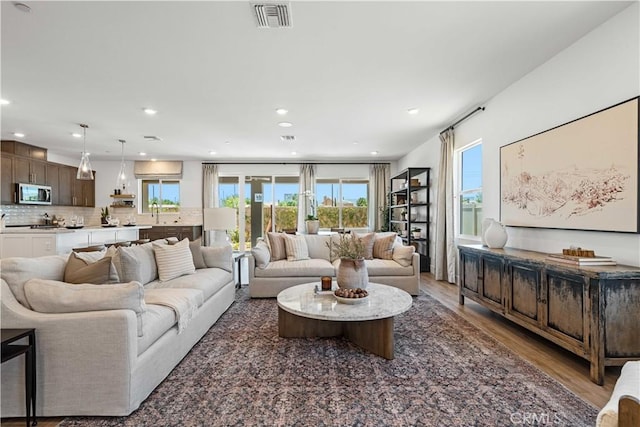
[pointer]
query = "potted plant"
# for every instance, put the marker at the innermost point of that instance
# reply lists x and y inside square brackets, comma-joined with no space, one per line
[352,270]
[312,223]
[104,215]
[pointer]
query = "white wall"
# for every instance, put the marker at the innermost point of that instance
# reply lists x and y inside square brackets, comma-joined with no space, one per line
[599,70]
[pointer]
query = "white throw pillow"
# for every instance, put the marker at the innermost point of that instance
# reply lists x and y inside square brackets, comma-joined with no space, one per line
[403,255]
[261,254]
[136,263]
[52,296]
[174,260]
[296,247]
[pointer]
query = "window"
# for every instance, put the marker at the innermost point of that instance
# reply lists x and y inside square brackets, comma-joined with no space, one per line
[342,203]
[470,189]
[165,193]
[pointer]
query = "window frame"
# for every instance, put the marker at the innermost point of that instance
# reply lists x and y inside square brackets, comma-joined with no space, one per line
[339,200]
[459,192]
[144,191]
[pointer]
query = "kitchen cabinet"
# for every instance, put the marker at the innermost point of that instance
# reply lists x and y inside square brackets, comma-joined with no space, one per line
[24,150]
[590,311]
[29,171]
[27,245]
[409,210]
[53,180]
[8,188]
[192,232]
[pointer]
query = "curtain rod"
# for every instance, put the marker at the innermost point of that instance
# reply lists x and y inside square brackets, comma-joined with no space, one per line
[463,119]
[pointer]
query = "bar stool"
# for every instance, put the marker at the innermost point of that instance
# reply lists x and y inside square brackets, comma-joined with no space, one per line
[90,248]
[124,243]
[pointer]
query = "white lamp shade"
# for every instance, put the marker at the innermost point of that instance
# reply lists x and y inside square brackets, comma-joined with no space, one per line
[219,219]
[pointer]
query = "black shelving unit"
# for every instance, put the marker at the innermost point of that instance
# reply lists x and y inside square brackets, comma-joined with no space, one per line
[409,209]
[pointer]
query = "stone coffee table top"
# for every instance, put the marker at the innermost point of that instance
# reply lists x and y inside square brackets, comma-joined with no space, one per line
[383,302]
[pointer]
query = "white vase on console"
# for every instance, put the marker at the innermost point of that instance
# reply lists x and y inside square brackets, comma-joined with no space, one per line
[485,226]
[496,235]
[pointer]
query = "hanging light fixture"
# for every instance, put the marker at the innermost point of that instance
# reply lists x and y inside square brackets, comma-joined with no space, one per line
[121,181]
[84,169]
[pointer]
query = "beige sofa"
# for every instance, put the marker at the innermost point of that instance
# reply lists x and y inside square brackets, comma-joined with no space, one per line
[101,349]
[269,276]
[623,408]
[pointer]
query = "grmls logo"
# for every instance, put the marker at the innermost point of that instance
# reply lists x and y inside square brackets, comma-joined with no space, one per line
[532,418]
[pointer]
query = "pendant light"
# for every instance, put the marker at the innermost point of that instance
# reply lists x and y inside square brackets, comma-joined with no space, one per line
[84,169]
[122,175]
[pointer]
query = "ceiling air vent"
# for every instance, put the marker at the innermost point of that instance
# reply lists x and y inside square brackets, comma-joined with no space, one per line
[152,138]
[288,138]
[272,15]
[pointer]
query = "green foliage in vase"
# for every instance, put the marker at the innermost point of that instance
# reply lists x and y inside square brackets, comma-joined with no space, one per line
[347,247]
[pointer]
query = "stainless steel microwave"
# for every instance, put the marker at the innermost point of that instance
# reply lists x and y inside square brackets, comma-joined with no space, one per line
[33,194]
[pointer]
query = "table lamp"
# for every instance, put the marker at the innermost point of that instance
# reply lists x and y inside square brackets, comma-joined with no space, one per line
[219,219]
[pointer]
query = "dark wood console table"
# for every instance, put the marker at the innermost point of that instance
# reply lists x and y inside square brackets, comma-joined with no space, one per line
[11,350]
[593,312]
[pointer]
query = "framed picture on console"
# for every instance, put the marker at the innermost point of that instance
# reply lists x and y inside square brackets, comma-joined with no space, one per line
[582,175]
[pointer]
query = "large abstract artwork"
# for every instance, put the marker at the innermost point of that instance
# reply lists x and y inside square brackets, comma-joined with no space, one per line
[582,175]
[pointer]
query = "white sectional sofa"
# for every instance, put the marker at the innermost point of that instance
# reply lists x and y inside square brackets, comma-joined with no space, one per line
[268,274]
[102,349]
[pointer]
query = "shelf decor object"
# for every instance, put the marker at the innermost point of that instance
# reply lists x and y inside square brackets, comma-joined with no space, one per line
[582,175]
[85,171]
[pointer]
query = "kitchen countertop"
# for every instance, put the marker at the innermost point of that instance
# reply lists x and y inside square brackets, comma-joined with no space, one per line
[60,230]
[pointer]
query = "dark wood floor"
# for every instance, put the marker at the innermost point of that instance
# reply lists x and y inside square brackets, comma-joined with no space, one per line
[570,370]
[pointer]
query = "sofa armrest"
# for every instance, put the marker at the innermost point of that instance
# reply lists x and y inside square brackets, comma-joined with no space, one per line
[626,390]
[220,256]
[415,262]
[251,261]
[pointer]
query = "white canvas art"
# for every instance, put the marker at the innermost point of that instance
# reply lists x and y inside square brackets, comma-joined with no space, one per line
[582,175]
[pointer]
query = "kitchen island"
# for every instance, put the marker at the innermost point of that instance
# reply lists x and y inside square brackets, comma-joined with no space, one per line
[33,242]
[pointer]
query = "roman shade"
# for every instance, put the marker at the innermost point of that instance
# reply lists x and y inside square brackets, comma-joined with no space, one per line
[161,169]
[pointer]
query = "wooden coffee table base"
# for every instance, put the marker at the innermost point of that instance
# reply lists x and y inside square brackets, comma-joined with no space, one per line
[375,336]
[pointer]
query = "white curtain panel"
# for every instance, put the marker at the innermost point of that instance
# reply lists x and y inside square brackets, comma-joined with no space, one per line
[445,250]
[379,186]
[307,184]
[209,192]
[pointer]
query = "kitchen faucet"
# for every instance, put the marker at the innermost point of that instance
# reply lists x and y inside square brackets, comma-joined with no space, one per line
[157,212]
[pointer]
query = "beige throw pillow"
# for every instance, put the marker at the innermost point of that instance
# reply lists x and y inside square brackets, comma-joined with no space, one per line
[196,252]
[403,255]
[296,247]
[261,254]
[367,241]
[383,245]
[136,263]
[173,260]
[98,272]
[276,243]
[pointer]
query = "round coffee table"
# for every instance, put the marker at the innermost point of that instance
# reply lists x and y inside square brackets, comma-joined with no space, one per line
[303,313]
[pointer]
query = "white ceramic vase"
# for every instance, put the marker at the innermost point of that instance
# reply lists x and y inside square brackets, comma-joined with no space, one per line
[496,235]
[485,226]
[352,274]
[313,226]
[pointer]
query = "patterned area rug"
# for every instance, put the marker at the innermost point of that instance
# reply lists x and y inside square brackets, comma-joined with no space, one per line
[446,373]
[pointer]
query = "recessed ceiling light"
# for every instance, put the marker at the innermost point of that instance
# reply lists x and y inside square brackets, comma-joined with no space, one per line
[142,153]
[212,152]
[76,135]
[355,143]
[4,102]
[22,7]
[285,124]
[150,111]
[413,111]
[18,134]
[282,111]
[293,153]
[153,160]
[374,153]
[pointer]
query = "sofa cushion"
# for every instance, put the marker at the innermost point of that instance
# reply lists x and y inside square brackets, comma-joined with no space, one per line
[304,268]
[52,296]
[383,245]
[367,240]
[196,252]
[136,263]
[173,260]
[318,246]
[403,255]
[208,280]
[261,254]
[277,246]
[79,270]
[296,247]
[156,320]
[17,271]
[383,267]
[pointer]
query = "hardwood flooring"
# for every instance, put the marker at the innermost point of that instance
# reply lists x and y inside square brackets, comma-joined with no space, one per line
[565,367]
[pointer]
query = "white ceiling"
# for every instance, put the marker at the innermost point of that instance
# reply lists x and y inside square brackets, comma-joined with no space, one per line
[346,71]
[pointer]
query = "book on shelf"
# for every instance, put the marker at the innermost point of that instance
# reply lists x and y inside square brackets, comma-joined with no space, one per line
[584,261]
